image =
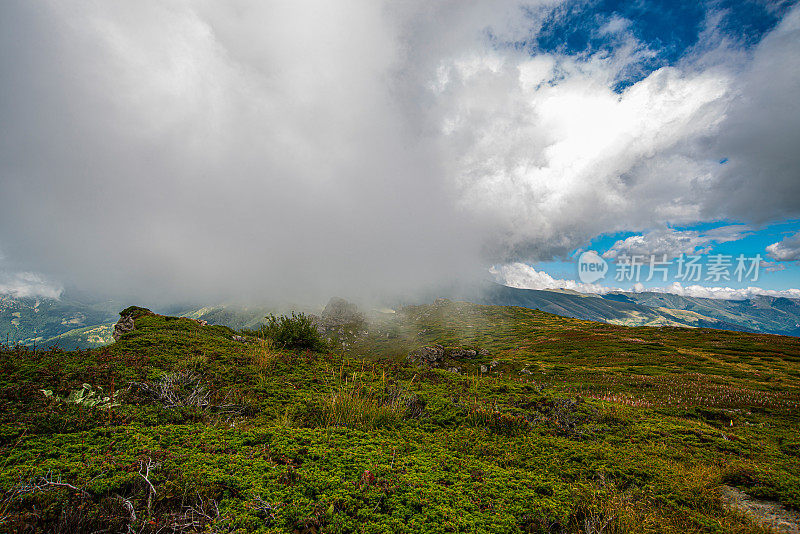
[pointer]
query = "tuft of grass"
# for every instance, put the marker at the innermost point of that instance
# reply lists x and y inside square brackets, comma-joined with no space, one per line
[285,419]
[358,405]
[264,359]
[497,421]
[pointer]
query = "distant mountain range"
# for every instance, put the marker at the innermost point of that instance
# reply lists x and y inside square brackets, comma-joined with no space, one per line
[73,322]
[773,315]
[69,322]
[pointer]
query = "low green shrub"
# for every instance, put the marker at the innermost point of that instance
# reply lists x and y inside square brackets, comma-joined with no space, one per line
[295,331]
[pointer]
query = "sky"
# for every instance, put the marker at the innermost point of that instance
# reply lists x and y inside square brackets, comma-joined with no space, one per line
[176,150]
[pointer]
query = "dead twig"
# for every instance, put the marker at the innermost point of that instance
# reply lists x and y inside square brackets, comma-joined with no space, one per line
[144,472]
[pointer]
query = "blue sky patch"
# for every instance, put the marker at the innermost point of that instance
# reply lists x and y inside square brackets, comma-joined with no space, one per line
[666,29]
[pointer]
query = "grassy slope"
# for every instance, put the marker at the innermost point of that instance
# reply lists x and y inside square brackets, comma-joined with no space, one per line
[664,416]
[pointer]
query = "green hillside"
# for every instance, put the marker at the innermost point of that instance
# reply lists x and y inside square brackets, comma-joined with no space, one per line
[518,421]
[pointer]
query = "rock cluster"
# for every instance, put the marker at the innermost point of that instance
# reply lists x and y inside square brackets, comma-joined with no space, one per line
[427,355]
[434,355]
[486,369]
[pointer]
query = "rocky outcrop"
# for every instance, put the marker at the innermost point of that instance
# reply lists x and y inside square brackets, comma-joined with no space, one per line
[123,326]
[126,320]
[340,317]
[339,312]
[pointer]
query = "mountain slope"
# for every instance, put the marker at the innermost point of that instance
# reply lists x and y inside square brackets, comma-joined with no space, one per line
[571,304]
[759,314]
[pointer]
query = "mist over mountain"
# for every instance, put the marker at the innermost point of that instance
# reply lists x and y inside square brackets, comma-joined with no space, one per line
[80,321]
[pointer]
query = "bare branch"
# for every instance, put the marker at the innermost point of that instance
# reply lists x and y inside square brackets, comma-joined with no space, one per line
[144,472]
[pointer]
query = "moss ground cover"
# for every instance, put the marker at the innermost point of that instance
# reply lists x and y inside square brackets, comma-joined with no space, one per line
[552,425]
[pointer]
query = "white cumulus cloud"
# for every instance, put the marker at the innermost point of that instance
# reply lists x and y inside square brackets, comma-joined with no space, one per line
[524,276]
[673,243]
[727,293]
[788,249]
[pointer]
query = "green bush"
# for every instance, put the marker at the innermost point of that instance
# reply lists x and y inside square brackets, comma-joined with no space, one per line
[295,331]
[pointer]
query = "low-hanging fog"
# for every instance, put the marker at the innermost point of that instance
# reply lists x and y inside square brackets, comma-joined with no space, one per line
[201,151]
